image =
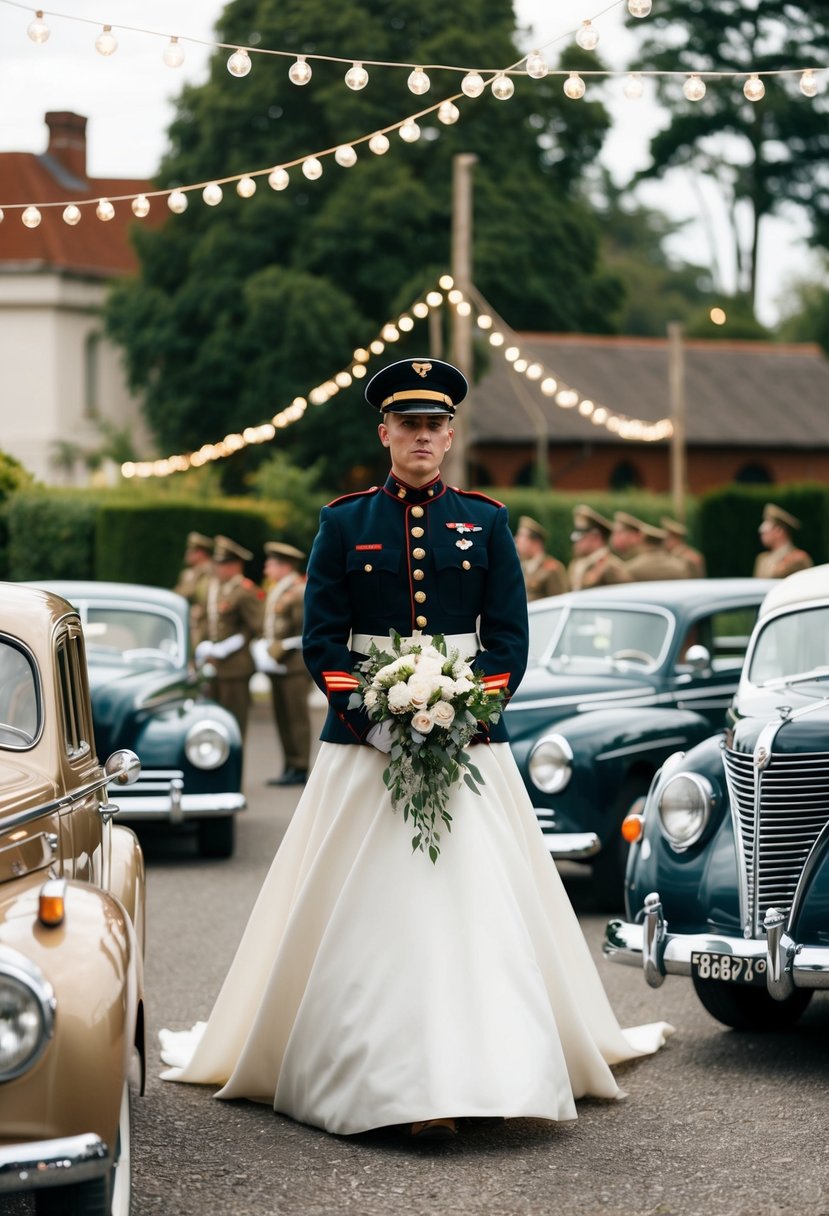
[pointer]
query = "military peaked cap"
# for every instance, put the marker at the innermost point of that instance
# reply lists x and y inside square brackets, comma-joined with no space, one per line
[198,540]
[585,519]
[528,524]
[778,516]
[275,548]
[417,386]
[624,520]
[226,550]
[673,525]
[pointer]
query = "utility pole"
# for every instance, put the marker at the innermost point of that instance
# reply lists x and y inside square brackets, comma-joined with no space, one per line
[455,466]
[676,394]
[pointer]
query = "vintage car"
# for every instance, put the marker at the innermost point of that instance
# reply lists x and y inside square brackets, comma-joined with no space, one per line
[71,925]
[620,678]
[728,879]
[146,696]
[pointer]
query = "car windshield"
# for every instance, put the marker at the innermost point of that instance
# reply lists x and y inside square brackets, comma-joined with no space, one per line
[796,644]
[543,627]
[19,714]
[135,634]
[606,635]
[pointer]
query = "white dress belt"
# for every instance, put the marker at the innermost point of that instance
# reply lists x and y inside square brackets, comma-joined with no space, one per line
[466,643]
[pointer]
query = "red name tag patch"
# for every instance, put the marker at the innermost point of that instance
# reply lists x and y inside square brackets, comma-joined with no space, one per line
[361,547]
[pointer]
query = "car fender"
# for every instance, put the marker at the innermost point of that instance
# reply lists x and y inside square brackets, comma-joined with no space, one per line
[161,736]
[93,964]
[127,880]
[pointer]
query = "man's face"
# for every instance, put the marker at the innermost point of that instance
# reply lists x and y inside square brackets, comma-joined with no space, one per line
[418,444]
[527,544]
[772,536]
[623,538]
[585,541]
[226,568]
[195,556]
[276,568]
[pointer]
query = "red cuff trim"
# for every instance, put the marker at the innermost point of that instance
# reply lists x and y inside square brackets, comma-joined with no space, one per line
[494,683]
[340,681]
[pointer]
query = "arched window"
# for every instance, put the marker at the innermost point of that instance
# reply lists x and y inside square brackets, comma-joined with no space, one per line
[754,475]
[625,476]
[91,362]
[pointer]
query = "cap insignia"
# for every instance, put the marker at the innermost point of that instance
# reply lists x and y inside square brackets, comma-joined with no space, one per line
[421,369]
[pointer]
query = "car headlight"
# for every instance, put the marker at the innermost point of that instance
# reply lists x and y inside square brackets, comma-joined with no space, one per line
[685,804]
[27,1008]
[207,744]
[551,764]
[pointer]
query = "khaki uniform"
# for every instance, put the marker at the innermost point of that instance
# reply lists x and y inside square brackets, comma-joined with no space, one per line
[233,606]
[284,613]
[192,584]
[544,575]
[647,564]
[777,563]
[601,569]
[693,559]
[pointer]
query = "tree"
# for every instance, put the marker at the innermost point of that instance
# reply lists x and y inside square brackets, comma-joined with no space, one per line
[766,155]
[238,308]
[805,311]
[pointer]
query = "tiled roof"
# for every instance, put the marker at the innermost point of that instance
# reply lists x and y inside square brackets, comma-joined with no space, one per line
[753,394]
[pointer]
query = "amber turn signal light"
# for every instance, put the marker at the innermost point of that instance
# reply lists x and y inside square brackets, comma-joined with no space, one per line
[51,907]
[632,828]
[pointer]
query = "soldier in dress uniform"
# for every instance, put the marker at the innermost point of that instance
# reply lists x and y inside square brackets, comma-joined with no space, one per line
[543,575]
[279,653]
[234,619]
[776,531]
[641,546]
[193,580]
[677,546]
[593,564]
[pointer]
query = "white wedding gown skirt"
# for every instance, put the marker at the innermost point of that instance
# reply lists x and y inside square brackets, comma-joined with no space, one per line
[373,988]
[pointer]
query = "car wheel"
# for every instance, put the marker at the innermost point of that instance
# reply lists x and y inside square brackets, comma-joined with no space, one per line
[746,1008]
[107,1196]
[217,836]
[610,865]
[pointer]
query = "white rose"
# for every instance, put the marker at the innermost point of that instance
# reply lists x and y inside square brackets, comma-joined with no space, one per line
[370,698]
[443,714]
[447,688]
[429,668]
[420,691]
[422,722]
[399,698]
[463,686]
[399,669]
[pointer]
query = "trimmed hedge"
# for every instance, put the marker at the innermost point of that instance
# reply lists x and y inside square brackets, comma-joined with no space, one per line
[729,519]
[51,534]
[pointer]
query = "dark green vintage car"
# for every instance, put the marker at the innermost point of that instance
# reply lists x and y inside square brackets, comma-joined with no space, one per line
[619,679]
[728,883]
[146,696]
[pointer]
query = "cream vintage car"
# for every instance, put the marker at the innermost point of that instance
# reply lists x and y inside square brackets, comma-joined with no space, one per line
[71,925]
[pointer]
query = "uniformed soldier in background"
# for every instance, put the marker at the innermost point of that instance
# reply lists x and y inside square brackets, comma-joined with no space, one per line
[193,580]
[677,546]
[776,531]
[641,546]
[593,564]
[543,575]
[279,653]
[234,619]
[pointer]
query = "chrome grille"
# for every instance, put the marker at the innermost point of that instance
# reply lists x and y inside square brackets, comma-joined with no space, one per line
[778,835]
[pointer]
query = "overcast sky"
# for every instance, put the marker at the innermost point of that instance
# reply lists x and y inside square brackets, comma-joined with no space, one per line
[128,101]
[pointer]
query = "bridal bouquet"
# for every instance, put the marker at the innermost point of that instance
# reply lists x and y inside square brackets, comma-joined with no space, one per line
[433,703]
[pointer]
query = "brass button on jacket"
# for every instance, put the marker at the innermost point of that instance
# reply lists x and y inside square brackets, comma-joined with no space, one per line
[421,622]
[418,554]
[418,574]
[417,532]
[420,597]
[368,567]
[417,512]
[467,565]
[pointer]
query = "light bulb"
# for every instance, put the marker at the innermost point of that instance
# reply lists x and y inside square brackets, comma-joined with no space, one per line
[634,87]
[173,54]
[694,88]
[246,187]
[587,36]
[38,30]
[639,8]
[177,202]
[409,132]
[418,82]
[356,77]
[520,365]
[278,179]
[808,84]
[105,210]
[238,63]
[300,71]
[106,43]
[312,168]
[448,113]
[212,194]
[378,144]
[472,84]
[537,66]
[502,88]
[574,86]
[71,215]
[140,206]
[345,156]
[31,217]
[754,89]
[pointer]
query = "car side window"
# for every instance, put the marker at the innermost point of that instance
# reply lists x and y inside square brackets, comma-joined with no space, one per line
[74,702]
[19,703]
[725,636]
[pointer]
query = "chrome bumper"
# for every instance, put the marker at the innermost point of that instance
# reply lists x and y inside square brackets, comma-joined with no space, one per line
[159,795]
[41,1163]
[660,953]
[572,845]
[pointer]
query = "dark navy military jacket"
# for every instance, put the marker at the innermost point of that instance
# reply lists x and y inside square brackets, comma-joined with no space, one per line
[434,559]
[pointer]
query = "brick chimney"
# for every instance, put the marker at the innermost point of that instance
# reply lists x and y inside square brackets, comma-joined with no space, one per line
[67,140]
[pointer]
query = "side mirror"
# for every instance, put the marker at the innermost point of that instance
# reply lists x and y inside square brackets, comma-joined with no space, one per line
[698,658]
[123,767]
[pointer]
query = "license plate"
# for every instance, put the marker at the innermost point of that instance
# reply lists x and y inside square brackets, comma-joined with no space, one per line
[728,968]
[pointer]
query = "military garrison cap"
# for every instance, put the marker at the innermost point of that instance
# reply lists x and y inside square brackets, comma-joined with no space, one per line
[673,525]
[528,524]
[777,515]
[585,519]
[198,540]
[226,550]
[276,548]
[417,386]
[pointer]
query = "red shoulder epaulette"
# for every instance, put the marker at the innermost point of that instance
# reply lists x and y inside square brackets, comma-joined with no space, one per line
[477,494]
[335,502]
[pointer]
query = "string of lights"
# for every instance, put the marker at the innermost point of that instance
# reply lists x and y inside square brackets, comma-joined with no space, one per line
[495,331]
